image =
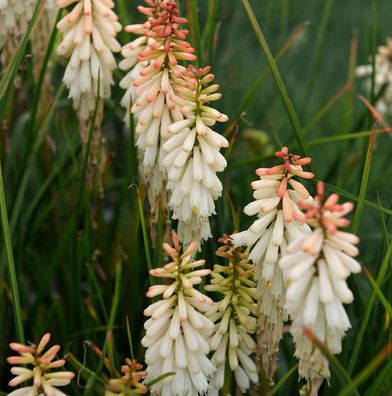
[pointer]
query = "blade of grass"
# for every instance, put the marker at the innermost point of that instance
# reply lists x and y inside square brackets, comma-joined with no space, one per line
[320,40]
[37,94]
[348,136]
[364,183]
[279,82]
[145,235]
[327,106]
[381,384]
[10,263]
[90,389]
[347,107]
[378,292]
[253,89]
[208,37]
[129,335]
[283,380]
[365,321]
[368,370]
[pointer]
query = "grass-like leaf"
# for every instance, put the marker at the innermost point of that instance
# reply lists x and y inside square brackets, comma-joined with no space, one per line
[368,311]
[279,82]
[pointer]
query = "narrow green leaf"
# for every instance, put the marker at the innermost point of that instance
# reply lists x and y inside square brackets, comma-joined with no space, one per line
[382,383]
[378,292]
[368,311]
[279,82]
[10,263]
[254,88]
[367,371]
[364,183]
[283,380]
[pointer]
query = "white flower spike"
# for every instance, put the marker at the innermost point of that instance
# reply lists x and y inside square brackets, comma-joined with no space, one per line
[193,156]
[89,41]
[177,331]
[316,266]
[155,106]
[276,195]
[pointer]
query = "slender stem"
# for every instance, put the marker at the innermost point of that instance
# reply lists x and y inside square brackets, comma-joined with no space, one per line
[10,261]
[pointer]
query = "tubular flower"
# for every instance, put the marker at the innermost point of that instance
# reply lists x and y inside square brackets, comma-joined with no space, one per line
[129,384]
[45,378]
[276,196]
[317,266]
[14,18]
[155,107]
[89,32]
[234,317]
[131,52]
[177,330]
[383,77]
[193,156]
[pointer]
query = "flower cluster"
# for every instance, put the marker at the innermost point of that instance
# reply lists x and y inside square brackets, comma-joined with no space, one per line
[155,105]
[193,156]
[383,77]
[316,266]
[234,317]
[131,52]
[177,331]
[14,18]
[130,382]
[276,194]
[89,32]
[44,375]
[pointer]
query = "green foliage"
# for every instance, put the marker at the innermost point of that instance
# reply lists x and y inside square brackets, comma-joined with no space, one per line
[76,264]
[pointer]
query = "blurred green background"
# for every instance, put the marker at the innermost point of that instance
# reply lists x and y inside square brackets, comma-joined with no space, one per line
[68,243]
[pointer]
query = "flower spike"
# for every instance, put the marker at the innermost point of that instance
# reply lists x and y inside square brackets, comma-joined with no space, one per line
[316,266]
[44,375]
[193,155]
[277,193]
[177,330]
[234,317]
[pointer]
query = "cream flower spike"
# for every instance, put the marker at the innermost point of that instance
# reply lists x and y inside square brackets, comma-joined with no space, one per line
[383,77]
[234,317]
[44,375]
[14,18]
[177,331]
[193,156]
[316,266]
[155,107]
[130,381]
[276,196]
[131,52]
[89,40]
